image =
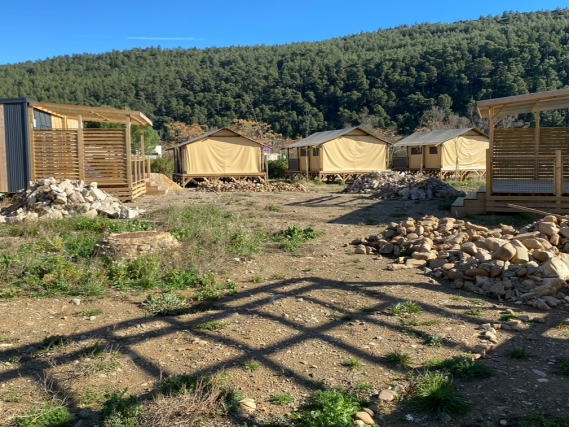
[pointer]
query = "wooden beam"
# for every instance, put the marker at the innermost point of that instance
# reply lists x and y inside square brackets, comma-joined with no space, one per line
[128,154]
[490,154]
[558,182]
[537,137]
[81,148]
[31,143]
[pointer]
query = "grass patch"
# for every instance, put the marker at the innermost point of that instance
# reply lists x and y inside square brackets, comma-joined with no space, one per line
[120,411]
[434,341]
[343,317]
[50,415]
[367,309]
[508,317]
[519,353]
[462,367]
[291,239]
[539,421]
[55,342]
[273,208]
[212,326]
[165,304]
[405,308]
[328,408]
[563,366]
[474,311]
[399,358]
[278,276]
[89,313]
[281,399]
[251,365]
[433,394]
[258,279]
[177,384]
[361,388]
[353,364]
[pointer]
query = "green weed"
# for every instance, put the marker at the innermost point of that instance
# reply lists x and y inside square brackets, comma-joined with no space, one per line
[519,353]
[343,317]
[399,358]
[328,408]
[353,364]
[462,367]
[50,415]
[433,341]
[405,307]
[55,342]
[89,312]
[120,411]
[281,399]
[176,384]
[293,237]
[258,279]
[508,317]
[539,421]
[474,311]
[165,304]
[366,309]
[563,366]
[251,365]
[212,326]
[432,393]
[408,251]
[273,208]
[278,276]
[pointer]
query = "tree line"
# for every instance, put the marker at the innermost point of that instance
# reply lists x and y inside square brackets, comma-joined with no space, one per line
[387,79]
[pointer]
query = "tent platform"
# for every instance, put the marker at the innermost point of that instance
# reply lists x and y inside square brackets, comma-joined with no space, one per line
[445,174]
[325,176]
[184,179]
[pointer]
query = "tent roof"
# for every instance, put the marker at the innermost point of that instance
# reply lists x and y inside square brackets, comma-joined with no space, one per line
[211,132]
[436,137]
[323,137]
[521,104]
[92,114]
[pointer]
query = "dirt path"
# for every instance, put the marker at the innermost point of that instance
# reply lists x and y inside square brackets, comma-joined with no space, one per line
[294,322]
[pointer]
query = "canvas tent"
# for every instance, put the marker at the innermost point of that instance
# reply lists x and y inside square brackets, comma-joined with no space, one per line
[343,153]
[446,152]
[217,154]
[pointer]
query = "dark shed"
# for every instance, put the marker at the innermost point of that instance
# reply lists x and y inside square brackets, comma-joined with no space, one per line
[15,166]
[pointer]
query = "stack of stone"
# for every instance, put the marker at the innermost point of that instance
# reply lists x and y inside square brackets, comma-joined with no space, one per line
[57,199]
[401,185]
[529,266]
[249,187]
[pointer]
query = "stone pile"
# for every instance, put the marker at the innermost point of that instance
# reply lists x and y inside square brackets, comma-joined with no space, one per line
[401,185]
[529,266]
[57,199]
[249,187]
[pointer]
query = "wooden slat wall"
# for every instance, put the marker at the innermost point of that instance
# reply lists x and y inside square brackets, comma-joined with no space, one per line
[55,154]
[105,157]
[514,142]
[552,139]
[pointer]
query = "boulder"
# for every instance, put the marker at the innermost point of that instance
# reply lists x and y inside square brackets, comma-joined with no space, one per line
[505,252]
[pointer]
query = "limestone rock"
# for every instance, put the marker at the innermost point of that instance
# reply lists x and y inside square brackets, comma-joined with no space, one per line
[505,252]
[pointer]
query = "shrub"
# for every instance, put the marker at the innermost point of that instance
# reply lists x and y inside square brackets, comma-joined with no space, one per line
[277,168]
[165,304]
[163,165]
[120,411]
[432,393]
[399,358]
[519,353]
[176,384]
[293,237]
[49,416]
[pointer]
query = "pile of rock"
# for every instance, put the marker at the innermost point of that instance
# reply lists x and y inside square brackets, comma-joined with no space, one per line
[401,185]
[129,246]
[529,266]
[249,187]
[57,199]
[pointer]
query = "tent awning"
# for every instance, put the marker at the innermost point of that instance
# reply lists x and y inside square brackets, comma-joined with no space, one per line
[433,138]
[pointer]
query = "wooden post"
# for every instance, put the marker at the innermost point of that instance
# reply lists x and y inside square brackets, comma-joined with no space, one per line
[490,155]
[321,152]
[32,144]
[128,155]
[537,139]
[148,168]
[558,180]
[422,158]
[266,168]
[306,162]
[80,148]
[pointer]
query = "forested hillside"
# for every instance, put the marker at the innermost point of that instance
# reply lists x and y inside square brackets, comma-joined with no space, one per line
[392,75]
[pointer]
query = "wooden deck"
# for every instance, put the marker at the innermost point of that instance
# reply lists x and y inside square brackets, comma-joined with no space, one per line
[445,174]
[183,179]
[325,176]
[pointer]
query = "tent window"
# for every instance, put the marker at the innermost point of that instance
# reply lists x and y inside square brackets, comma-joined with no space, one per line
[316,152]
[433,150]
[417,150]
[303,152]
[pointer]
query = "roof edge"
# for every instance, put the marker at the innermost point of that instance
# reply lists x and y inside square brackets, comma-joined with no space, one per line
[213,132]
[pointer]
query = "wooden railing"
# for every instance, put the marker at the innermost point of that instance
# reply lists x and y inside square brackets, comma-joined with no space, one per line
[140,169]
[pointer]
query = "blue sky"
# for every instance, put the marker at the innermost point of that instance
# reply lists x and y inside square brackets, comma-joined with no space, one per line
[34,29]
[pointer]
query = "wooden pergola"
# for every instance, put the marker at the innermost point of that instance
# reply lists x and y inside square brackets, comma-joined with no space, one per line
[102,155]
[527,166]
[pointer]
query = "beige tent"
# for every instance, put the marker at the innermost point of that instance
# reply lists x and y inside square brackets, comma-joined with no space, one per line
[217,154]
[343,153]
[448,151]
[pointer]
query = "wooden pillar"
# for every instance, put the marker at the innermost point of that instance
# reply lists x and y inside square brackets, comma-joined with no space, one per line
[537,138]
[490,155]
[80,148]
[422,158]
[128,154]
[558,180]
[32,153]
[321,152]
[306,163]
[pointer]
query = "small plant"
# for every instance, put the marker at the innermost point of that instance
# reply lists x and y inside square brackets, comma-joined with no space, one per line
[91,351]
[519,353]
[274,208]
[251,365]
[284,374]
[293,237]
[408,251]
[361,388]
[120,411]
[165,304]
[462,367]
[56,342]
[457,298]
[281,399]
[474,311]
[258,279]
[338,316]
[399,358]
[433,341]
[89,313]
[49,416]
[15,360]
[538,421]
[564,366]
[366,309]
[212,326]
[176,384]
[406,307]
[430,322]
[328,408]
[432,393]
[278,276]
[507,317]
[353,364]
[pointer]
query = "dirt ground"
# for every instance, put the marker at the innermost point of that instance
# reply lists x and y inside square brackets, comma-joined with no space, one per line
[299,315]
